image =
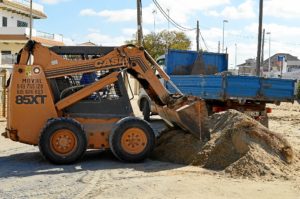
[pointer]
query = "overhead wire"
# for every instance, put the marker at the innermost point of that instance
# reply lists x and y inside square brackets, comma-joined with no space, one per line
[182,28]
[169,19]
[203,41]
[175,24]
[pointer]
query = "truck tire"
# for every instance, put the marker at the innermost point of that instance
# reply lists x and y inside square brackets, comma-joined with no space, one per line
[209,108]
[146,110]
[63,141]
[265,121]
[132,140]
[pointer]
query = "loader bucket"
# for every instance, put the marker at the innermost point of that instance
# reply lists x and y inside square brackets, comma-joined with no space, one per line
[190,115]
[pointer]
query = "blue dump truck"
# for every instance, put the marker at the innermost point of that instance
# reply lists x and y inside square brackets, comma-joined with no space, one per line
[206,75]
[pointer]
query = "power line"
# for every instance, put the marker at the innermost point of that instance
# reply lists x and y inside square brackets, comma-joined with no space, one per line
[252,37]
[169,19]
[175,24]
[203,40]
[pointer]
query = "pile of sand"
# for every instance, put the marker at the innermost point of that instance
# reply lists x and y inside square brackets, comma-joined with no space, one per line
[240,146]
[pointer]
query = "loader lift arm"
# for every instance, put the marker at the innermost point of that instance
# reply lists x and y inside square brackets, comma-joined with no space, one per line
[188,112]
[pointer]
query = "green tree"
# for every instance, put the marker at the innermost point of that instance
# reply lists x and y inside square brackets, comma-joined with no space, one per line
[158,44]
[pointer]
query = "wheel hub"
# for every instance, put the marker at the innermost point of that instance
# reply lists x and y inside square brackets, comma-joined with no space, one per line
[63,142]
[134,140]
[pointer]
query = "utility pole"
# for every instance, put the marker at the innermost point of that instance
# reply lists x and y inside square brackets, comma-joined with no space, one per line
[263,48]
[261,4]
[139,23]
[168,10]
[219,46]
[30,23]
[197,37]
[30,32]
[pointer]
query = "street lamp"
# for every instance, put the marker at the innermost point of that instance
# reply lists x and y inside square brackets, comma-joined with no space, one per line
[269,33]
[224,21]
[154,12]
[235,56]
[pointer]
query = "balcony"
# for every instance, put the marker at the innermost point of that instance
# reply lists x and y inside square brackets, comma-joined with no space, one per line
[26,3]
[50,36]
[24,31]
[22,7]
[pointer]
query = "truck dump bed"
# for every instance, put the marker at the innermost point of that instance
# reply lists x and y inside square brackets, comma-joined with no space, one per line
[225,87]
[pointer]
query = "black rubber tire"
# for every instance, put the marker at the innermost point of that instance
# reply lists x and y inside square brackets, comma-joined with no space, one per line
[265,121]
[116,135]
[209,109]
[146,110]
[54,125]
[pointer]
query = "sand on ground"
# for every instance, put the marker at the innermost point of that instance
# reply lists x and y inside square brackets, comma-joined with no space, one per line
[25,174]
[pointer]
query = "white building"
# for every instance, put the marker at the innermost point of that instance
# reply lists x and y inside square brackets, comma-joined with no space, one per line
[14,29]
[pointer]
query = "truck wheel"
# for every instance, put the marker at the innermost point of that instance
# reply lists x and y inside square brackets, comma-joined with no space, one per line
[63,141]
[209,108]
[132,140]
[146,110]
[265,121]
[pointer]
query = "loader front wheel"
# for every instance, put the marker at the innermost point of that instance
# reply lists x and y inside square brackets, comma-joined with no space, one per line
[132,140]
[146,110]
[63,141]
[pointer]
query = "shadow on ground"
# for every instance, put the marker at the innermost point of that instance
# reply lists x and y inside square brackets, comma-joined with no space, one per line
[32,163]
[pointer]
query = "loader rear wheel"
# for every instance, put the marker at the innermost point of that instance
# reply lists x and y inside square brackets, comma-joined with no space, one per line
[132,140]
[63,141]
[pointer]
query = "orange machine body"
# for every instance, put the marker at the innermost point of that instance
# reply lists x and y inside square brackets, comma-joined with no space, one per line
[32,101]
[31,105]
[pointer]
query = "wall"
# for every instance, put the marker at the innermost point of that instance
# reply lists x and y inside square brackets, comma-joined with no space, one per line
[12,18]
[3,94]
[13,47]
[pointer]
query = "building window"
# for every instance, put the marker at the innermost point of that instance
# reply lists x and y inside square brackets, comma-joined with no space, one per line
[5,52]
[7,57]
[22,24]
[4,21]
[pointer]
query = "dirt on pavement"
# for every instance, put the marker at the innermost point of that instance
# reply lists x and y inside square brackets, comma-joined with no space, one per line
[240,146]
[25,174]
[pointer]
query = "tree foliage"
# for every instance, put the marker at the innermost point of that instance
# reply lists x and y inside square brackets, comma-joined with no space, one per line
[158,44]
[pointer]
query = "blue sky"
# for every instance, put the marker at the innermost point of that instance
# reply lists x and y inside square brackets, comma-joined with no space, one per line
[114,21]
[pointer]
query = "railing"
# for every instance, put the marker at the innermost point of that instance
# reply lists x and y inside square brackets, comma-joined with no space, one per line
[50,36]
[8,59]
[26,3]
[45,35]
[35,33]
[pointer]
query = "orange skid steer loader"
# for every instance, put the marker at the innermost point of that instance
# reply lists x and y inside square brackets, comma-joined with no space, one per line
[71,99]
